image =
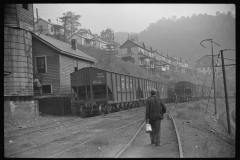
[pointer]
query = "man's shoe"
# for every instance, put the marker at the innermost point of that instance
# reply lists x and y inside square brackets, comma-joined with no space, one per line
[158,144]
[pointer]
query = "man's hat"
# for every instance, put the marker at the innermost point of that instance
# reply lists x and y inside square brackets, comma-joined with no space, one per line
[153,91]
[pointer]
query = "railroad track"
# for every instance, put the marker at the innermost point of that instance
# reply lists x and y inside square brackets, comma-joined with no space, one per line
[122,151]
[13,134]
[35,126]
[64,145]
[72,136]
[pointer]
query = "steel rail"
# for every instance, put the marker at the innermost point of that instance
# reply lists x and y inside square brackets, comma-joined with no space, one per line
[19,129]
[67,122]
[69,135]
[96,137]
[178,137]
[129,143]
[50,134]
[62,121]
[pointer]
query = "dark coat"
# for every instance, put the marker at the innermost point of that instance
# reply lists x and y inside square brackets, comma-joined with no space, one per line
[155,108]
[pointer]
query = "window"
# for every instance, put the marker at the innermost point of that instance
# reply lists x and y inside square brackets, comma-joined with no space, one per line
[47,88]
[75,69]
[129,50]
[25,6]
[123,85]
[41,64]
[51,28]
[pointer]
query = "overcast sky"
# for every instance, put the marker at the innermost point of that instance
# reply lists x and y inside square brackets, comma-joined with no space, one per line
[125,17]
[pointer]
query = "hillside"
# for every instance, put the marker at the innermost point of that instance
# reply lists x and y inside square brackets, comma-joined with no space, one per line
[182,37]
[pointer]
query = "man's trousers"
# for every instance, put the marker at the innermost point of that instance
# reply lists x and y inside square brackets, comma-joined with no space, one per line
[155,135]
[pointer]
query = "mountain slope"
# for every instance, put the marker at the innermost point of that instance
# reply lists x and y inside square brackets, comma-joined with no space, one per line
[182,37]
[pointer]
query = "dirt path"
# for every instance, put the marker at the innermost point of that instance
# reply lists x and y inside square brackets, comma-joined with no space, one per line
[142,147]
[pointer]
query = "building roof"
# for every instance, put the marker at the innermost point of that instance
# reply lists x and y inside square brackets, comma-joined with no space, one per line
[47,22]
[207,60]
[100,40]
[173,58]
[125,55]
[148,48]
[63,47]
[94,38]
[83,30]
[139,44]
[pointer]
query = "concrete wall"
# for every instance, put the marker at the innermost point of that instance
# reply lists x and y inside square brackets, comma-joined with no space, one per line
[21,109]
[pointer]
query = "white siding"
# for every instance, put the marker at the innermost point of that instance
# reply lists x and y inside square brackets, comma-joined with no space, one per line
[67,66]
[79,39]
[49,29]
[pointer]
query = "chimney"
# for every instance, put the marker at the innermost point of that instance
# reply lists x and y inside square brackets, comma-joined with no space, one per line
[74,44]
[49,20]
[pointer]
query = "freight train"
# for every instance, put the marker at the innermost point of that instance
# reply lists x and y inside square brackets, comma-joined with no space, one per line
[101,91]
[187,91]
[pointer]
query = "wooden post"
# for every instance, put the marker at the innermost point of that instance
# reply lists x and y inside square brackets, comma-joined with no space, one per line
[37,19]
[226,94]
[214,92]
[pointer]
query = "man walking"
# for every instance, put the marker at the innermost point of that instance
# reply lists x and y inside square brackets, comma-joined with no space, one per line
[154,114]
[175,98]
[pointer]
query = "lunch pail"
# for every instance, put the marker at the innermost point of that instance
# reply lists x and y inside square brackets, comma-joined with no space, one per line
[148,128]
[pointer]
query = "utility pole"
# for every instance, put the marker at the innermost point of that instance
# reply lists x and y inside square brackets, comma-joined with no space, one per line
[225,91]
[113,37]
[37,19]
[65,19]
[214,92]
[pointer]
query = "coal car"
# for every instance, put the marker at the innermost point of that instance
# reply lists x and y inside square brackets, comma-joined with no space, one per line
[101,91]
[187,91]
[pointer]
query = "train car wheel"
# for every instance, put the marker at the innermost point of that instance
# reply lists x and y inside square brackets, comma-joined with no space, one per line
[133,105]
[139,104]
[101,109]
[109,108]
[130,106]
[126,106]
[83,111]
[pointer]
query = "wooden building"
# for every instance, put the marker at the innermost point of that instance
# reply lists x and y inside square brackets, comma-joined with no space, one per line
[139,54]
[204,65]
[18,86]
[47,27]
[18,21]
[53,61]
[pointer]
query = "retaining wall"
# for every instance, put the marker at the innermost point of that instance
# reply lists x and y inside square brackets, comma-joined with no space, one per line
[21,109]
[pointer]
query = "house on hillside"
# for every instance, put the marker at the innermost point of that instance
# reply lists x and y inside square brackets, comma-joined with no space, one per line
[164,62]
[204,64]
[47,27]
[182,65]
[139,54]
[174,63]
[86,38]
[53,61]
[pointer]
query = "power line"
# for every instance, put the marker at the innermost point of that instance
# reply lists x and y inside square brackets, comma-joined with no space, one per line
[226,31]
[222,24]
[228,38]
[50,12]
